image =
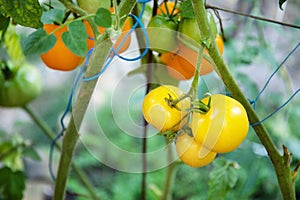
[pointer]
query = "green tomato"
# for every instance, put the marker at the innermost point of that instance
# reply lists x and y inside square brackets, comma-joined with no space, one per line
[162,32]
[188,28]
[21,88]
[91,6]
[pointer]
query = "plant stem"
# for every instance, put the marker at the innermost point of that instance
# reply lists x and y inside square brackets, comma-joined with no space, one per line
[51,135]
[102,49]
[282,167]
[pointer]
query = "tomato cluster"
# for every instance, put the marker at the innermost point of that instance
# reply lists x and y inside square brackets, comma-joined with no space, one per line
[201,129]
[60,57]
[176,39]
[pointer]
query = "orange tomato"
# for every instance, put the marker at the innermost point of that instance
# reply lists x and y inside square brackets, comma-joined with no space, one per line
[182,61]
[170,5]
[59,57]
[127,26]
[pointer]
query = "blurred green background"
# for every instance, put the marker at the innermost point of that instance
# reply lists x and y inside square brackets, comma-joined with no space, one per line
[253,50]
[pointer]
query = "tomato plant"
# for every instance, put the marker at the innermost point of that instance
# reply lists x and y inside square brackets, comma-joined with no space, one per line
[167,8]
[20,87]
[126,28]
[181,62]
[159,112]
[192,153]
[59,57]
[224,127]
[162,32]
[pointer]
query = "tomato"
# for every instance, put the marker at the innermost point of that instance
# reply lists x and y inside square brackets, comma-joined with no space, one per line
[59,57]
[21,88]
[193,153]
[159,113]
[188,28]
[91,6]
[163,7]
[181,62]
[126,28]
[224,127]
[162,32]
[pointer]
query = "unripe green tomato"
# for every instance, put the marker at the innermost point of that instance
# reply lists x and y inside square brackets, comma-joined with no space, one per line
[188,27]
[23,87]
[162,32]
[91,6]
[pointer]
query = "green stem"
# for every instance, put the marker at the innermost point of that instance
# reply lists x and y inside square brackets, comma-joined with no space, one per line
[170,176]
[102,49]
[51,135]
[282,167]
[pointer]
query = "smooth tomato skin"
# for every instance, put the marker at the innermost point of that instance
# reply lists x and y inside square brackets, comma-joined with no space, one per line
[162,32]
[157,111]
[181,63]
[59,57]
[224,127]
[19,90]
[188,28]
[193,153]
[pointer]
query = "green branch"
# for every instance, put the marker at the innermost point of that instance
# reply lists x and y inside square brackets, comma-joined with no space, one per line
[102,49]
[282,167]
[51,135]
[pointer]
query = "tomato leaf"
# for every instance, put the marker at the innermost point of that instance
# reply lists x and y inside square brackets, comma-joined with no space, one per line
[75,38]
[222,178]
[53,16]
[30,152]
[103,18]
[38,42]
[12,183]
[4,22]
[281,2]
[13,47]
[25,12]
[186,9]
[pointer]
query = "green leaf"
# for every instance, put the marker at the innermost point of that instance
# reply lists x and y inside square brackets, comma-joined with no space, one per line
[281,2]
[25,12]
[12,184]
[4,22]
[53,16]
[222,178]
[75,38]
[103,18]
[31,153]
[38,42]
[10,156]
[13,47]
[186,9]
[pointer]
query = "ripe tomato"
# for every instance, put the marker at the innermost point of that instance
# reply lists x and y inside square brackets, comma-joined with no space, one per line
[193,153]
[60,57]
[170,6]
[21,88]
[126,28]
[224,127]
[162,32]
[159,113]
[181,63]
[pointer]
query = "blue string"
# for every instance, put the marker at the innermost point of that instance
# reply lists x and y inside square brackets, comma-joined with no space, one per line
[268,81]
[279,108]
[81,72]
[67,109]
[114,52]
[265,86]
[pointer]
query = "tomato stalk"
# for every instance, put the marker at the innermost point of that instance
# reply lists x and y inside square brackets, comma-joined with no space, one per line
[51,135]
[280,162]
[103,46]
